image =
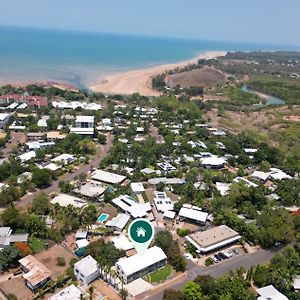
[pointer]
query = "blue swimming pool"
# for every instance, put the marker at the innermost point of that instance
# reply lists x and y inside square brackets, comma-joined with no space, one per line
[102,218]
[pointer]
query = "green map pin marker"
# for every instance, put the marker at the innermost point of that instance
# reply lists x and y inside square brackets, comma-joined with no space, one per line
[141,233]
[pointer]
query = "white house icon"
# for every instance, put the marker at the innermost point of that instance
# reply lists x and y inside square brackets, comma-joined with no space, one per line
[141,232]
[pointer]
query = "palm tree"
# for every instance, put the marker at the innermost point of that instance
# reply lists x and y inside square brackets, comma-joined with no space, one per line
[91,292]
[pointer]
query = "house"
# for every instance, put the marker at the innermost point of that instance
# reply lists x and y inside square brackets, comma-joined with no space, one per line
[36,274]
[4,119]
[84,125]
[137,187]
[223,188]
[106,122]
[27,156]
[269,292]
[162,202]
[245,181]
[43,121]
[37,145]
[167,167]
[132,207]
[91,189]
[65,200]
[64,159]
[213,239]
[86,270]
[69,293]
[36,136]
[53,136]
[169,215]
[7,238]
[137,266]
[119,222]
[122,242]
[107,177]
[213,162]
[193,214]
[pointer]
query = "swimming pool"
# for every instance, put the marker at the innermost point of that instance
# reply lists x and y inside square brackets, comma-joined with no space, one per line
[102,218]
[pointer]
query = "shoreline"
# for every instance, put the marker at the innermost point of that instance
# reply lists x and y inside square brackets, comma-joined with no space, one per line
[139,81]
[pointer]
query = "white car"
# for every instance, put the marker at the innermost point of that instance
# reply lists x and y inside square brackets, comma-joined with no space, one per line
[188,256]
[215,260]
[227,254]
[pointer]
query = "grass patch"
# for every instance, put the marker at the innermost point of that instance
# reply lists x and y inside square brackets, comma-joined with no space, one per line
[160,275]
[37,245]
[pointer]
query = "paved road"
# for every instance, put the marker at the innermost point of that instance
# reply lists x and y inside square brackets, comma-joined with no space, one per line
[15,138]
[216,271]
[101,152]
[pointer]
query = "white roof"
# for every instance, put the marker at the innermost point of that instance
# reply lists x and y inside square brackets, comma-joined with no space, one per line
[137,262]
[138,287]
[87,266]
[137,187]
[85,119]
[193,213]
[122,242]
[3,117]
[213,160]
[107,177]
[119,221]
[246,181]
[270,293]
[278,174]
[27,156]
[162,202]
[82,243]
[250,150]
[52,167]
[69,293]
[223,188]
[147,171]
[83,131]
[65,158]
[296,283]
[135,209]
[169,214]
[65,200]
[260,175]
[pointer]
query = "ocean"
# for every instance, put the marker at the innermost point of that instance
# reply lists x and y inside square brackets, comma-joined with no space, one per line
[82,58]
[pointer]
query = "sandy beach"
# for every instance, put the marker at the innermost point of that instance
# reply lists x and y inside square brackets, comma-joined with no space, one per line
[139,81]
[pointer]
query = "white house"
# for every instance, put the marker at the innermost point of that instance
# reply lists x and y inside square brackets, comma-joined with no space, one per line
[122,242]
[119,222]
[213,162]
[64,159]
[193,214]
[137,266]
[4,119]
[84,125]
[27,156]
[137,187]
[65,200]
[269,292]
[86,270]
[69,293]
[162,202]
[107,177]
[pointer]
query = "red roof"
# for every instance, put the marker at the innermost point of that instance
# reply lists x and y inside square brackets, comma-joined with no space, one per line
[30,100]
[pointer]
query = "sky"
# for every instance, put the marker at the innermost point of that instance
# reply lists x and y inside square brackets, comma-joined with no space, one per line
[261,21]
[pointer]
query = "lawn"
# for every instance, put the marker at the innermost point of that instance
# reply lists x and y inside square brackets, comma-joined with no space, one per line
[37,245]
[160,275]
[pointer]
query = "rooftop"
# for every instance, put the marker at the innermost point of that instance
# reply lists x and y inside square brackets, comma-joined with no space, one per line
[107,177]
[69,293]
[193,213]
[137,262]
[87,266]
[65,200]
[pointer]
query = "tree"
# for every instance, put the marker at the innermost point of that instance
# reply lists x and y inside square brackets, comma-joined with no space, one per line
[60,261]
[123,294]
[192,291]
[102,139]
[11,217]
[88,215]
[40,204]
[41,178]
[173,295]
[9,257]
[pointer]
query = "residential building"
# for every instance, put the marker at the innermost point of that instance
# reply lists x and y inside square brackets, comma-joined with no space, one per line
[27,156]
[69,293]
[119,222]
[7,238]
[137,187]
[213,239]
[296,283]
[213,162]
[137,266]
[85,121]
[36,136]
[167,167]
[193,214]
[269,292]
[122,242]
[132,207]
[4,119]
[65,200]
[64,159]
[86,270]
[91,189]
[162,202]
[36,274]
[107,177]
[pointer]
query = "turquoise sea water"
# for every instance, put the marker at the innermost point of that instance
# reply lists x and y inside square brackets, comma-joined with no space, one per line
[82,58]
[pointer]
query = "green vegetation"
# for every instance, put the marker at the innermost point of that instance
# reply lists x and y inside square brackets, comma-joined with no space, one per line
[238,97]
[160,275]
[60,261]
[183,232]
[36,245]
[9,258]
[208,262]
[284,88]
[165,241]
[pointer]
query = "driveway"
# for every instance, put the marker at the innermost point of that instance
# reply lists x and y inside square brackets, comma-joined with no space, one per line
[218,270]
[15,139]
[101,152]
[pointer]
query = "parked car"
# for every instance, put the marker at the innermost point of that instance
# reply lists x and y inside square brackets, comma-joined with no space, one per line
[218,257]
[187,255]
[227,254]
[215,259]
[222,255]
[235,251]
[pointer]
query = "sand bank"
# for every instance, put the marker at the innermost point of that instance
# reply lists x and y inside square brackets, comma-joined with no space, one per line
[139,81]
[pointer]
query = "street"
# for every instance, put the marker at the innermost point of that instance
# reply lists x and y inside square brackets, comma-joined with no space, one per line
[101,152]
[216,271]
